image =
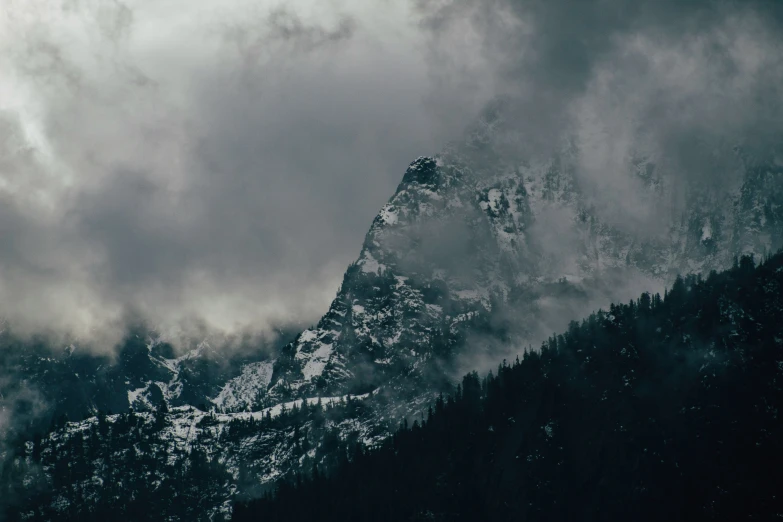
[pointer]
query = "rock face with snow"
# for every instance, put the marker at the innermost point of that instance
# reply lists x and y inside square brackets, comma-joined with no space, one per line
[462,245]
[425,266]
[247,389]
[40,384]
[472,258]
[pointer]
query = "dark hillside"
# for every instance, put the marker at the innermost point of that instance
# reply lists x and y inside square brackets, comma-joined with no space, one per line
[665,408]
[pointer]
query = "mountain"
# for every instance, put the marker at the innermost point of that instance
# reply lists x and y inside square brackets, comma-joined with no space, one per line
[473,258]
[42,381]
[661,409]
[465,250]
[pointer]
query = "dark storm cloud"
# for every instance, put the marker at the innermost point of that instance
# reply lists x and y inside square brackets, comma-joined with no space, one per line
[190,161]
[209,165]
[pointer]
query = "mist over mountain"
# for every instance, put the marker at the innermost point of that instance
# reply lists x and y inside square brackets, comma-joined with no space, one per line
[656,410]
[407,319]
[182,192]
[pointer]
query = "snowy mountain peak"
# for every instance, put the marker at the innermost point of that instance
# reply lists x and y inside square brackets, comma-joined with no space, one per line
[467,261]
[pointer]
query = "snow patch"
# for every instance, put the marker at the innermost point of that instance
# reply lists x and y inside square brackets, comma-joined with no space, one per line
[369,264]
[308,336]
[468,295]
[493,197]
[388,214]
[242,391]
[317,361]
[137,395]
[706,230]
[434,309]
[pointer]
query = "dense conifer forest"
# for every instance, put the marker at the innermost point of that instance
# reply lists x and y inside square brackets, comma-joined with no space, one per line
[665,408]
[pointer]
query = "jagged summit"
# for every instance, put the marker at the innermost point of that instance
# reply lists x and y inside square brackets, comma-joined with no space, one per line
[456,245]
[424,171]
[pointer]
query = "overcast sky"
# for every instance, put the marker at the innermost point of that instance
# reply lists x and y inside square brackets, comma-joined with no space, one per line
[186,159]
[221,161]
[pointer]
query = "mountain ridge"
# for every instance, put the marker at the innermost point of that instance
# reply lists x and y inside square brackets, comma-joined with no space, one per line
[456,269]
[665,408]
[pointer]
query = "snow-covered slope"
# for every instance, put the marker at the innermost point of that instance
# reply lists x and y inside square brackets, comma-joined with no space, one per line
[241,392]
[459,241]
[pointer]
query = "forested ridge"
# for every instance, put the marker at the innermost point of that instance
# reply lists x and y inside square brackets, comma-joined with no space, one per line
[665,408]
[117,468]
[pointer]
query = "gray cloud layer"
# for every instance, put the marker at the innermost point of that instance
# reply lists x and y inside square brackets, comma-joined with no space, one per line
[184,161]
[681,83]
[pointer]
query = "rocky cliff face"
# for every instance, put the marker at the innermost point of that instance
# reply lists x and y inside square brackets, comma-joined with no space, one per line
[461,244]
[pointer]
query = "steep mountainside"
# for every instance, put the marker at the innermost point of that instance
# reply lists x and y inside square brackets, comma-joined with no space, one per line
[662,409]
[461,244]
